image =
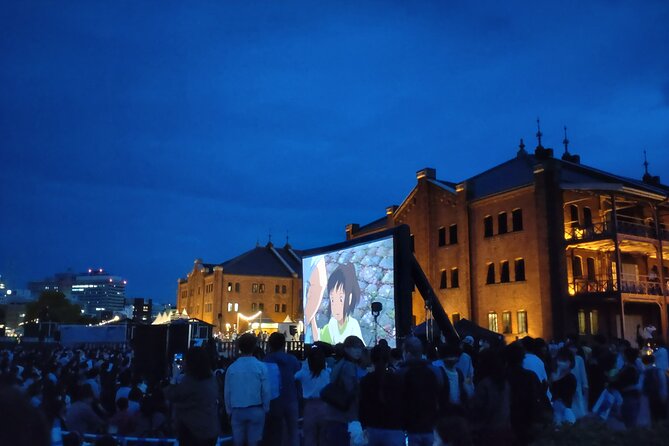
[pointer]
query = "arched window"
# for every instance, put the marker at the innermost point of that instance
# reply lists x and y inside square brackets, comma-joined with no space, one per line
[577,267]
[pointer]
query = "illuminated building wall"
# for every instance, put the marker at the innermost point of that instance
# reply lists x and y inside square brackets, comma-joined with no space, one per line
[531,247]
[266,279]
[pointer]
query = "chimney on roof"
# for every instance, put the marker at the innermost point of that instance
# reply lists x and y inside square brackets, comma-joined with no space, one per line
[198,261]
[428,172]
[390,210]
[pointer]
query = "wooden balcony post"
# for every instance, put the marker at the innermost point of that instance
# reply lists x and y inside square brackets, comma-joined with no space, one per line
[614,221]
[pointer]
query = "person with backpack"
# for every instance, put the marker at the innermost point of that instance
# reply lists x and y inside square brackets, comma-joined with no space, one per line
[342,393]
[654,388]
[420,393]
[453,394]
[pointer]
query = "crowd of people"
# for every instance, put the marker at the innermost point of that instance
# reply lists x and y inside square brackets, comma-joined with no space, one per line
[467,394]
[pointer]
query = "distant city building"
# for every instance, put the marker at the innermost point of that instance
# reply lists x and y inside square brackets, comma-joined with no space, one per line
[98,291]
[142,309]
[265,281]
[541,246]
[61,282]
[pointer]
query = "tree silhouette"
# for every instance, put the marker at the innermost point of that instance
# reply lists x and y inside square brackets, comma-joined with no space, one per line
[53,306]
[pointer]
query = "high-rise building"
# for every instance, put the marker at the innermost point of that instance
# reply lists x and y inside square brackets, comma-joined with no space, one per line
[541,246]
[97,291]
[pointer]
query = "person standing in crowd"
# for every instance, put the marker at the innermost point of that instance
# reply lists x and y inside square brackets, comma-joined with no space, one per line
[453,395]
[466,365]
[195,401]
[344,378]
[420,393]
[490,407]
[627,383]
[381,405]
[80,416]
[563,387]
[281,421]
[654,388]
[534,363]
[247,394]
[528,400]
[313,376]
[580,403]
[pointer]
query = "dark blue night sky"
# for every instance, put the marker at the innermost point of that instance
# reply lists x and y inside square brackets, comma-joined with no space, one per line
[137,136]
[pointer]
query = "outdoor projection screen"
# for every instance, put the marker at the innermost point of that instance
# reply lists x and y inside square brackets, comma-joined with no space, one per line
[339,286]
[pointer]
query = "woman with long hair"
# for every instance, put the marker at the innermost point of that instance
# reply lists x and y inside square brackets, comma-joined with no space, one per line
[313,376]
[195,401]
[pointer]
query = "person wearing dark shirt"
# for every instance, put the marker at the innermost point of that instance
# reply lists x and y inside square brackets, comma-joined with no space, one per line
[420,390]
[195,401]
[381,406]
[281,421]
[528,399]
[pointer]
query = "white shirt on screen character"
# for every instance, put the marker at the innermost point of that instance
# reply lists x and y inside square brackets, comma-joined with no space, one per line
[351,328]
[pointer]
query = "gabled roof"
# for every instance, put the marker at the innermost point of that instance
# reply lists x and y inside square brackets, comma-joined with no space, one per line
[265,261]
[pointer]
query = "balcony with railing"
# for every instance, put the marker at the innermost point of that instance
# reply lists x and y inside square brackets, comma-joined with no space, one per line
[602,230]
[629,284]
[642,285]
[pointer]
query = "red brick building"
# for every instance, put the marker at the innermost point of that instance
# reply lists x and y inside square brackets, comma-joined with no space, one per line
[541,246]
[266,279]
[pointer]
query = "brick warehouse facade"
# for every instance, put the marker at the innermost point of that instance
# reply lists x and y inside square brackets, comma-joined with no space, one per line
[266,279]
[541,246]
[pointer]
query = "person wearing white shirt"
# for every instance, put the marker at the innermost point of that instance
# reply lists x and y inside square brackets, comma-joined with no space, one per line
[247,394]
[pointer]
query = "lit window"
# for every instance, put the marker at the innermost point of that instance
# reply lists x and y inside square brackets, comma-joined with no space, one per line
[506,322]
[522,321]
[261,288]
[276,308]
[581,322]
[594,322]
[492,321]
[236,306]
[254,288]
[229,286]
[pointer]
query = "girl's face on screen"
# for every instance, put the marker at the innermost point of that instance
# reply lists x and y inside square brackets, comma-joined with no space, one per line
[337,303]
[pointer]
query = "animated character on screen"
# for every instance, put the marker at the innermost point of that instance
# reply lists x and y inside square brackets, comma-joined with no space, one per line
[344,295]
[314,290]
